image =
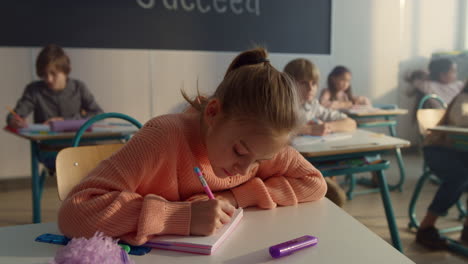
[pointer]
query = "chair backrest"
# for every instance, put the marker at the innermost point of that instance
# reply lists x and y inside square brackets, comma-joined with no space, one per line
[74,163]
[96,118]
[434,98]
[428,118]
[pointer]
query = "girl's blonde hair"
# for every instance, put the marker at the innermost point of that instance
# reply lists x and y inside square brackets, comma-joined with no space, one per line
[302,70]
[253,90]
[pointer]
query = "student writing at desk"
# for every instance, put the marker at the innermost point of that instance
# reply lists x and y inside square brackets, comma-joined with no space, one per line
[450,165]
[320,120]
[238,137]
[55,97]
[338,94]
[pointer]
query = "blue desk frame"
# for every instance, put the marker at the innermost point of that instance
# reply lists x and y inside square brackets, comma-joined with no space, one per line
[387,120]
[383,187]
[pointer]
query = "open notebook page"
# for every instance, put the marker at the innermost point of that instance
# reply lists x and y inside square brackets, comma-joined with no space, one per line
[197,244]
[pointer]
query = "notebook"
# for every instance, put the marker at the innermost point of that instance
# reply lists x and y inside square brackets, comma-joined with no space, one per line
[35,128]
[205,245]
[309,140]
[360,109]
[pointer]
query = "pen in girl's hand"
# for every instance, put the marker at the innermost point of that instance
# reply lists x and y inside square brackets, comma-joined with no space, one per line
[203,182]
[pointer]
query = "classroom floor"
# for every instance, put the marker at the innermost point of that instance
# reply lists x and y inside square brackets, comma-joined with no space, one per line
[15,209]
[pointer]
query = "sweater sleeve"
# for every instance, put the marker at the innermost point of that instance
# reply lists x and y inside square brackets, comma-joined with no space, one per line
[88,103]
[25,104]
[328,114]
[110,199]
[287,179]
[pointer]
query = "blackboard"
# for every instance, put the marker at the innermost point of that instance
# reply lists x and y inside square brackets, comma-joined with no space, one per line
[286,26]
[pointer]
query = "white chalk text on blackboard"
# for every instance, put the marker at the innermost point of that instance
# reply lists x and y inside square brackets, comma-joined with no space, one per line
[237,7]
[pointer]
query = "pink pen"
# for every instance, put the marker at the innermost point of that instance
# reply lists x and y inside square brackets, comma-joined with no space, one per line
[203,182]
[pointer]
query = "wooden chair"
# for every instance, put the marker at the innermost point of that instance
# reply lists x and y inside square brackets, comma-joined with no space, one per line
[428,118]
[74,163]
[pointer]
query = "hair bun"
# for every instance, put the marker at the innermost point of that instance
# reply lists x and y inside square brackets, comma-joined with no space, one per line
[250,57]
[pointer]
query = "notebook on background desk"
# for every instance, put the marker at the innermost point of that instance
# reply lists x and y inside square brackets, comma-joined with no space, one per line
[308,140]
[205,245]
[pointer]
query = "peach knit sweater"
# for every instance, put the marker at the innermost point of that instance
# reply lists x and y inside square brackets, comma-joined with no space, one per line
[141,190]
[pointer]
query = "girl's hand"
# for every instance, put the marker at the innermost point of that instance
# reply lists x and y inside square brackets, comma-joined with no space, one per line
[228,197]
[362,100]
[225,196]
[209,216]
[319,130]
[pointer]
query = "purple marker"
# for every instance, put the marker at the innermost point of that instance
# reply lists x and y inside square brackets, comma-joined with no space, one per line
[291,246]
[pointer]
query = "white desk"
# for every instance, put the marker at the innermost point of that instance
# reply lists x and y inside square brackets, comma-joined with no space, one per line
[450,129]
[342,239]
[457,135]
[361,143]
[375,112]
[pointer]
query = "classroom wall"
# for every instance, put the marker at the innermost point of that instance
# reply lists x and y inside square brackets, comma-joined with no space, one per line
[422,35]
[366,37]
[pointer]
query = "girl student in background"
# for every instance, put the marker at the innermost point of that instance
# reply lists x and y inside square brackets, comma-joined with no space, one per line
[239,138]
[450,165]
[319,120]
[339,94]
[441,80]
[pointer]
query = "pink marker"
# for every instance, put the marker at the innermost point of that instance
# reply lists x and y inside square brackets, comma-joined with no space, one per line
[203,182]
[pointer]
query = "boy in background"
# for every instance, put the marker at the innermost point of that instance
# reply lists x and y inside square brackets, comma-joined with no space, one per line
[320,120]
[54,97]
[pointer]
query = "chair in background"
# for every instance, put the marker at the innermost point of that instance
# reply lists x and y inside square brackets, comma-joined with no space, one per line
[429,118]
[74,163]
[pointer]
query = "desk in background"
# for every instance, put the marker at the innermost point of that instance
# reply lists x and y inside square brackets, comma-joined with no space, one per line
[41,142]
[361,143]
[382,118]
[451,129]
[458,135]
[342,239]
